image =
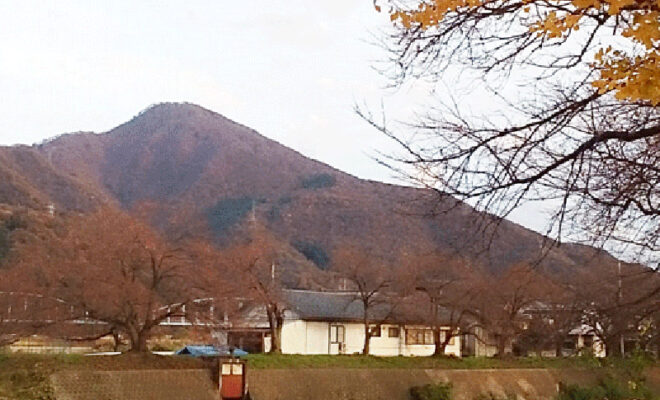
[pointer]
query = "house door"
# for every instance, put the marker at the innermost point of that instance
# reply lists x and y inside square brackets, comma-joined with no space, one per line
[337,344]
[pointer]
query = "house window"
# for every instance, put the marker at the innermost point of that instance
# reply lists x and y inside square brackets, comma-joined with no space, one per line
[393,331]
[419,336]
[569,344]
[336,333]
[374,330]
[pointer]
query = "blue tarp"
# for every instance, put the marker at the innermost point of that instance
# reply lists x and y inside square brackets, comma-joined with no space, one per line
[211,351]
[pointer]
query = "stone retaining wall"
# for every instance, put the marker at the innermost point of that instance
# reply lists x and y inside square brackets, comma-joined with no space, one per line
[319,384]
[172,384]
[394,384]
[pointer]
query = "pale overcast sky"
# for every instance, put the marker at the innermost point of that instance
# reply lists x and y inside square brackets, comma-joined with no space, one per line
[292,70]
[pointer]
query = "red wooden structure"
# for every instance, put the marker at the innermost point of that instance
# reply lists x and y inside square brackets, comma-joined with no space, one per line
[233,385]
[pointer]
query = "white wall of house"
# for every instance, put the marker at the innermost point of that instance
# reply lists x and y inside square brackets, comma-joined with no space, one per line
[313,337]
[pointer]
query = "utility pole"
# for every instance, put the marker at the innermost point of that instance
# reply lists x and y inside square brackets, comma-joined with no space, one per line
[272,273]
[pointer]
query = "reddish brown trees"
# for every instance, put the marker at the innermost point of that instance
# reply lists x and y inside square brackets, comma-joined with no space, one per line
[369,276]
[252,264]
[445,304]
[112,270]
[502,300]
[619,304]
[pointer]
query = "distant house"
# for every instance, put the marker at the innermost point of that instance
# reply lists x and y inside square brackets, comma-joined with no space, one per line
[331,323]
[583,338]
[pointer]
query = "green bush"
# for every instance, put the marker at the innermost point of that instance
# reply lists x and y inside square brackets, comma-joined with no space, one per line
[492,396]
[313,252]
[609,388]
[228,212]
[4,243]
[439,391]
[318,181]
[576,392]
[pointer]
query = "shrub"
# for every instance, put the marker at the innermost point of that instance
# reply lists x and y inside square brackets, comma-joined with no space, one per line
[608,388]
[576,392]
[4,243]
[439,391]
[313,252]
[318,181]
[228,212]
[493,396]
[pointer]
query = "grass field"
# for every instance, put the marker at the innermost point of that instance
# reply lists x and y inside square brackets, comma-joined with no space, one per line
[262,361]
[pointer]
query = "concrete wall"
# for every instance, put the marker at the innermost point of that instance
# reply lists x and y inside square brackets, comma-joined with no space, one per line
[174,384]
[393,384]
[319,384]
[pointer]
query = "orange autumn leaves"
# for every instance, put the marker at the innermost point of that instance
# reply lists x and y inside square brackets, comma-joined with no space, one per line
[631,72]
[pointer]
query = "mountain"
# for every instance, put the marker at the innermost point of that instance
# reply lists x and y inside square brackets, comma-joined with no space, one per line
[193,167]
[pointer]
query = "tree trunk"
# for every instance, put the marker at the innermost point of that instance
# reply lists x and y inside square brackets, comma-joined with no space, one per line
[439,343]
[367,338]
[142,343]
[138,339]
[558,348]
[116,340]
[501,346]
[275,330]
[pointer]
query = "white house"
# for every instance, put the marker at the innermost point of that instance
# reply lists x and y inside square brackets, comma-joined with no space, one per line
[331,323]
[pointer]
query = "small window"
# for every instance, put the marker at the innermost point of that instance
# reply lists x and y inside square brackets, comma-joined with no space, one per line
[419,336]
[336,334]
[428,336]
[588,341]
[393,332]
[374,330]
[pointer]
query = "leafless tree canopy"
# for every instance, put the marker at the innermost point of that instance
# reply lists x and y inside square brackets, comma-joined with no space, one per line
[110,269]
[369,276]
[596,157]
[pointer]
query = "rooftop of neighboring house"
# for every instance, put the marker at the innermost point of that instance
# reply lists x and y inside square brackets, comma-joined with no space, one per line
[344,306]
[333,306]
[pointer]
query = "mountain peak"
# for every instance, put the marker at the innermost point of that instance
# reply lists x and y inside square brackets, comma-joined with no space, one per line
[172,116]
[175,111]
[183,159]
[175,107]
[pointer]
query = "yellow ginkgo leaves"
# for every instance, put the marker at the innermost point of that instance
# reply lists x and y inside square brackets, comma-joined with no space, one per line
[632,74]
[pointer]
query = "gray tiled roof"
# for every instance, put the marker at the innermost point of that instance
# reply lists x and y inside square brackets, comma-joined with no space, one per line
[346,306]
[335,306]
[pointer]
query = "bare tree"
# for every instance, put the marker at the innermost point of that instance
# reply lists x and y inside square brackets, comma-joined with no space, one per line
[253,263]
[616,304]
[370,277]
[502,300]
[551,319]
[446,294]
[588,147]
[111,269]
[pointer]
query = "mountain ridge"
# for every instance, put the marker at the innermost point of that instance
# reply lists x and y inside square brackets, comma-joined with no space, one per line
[184,159]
